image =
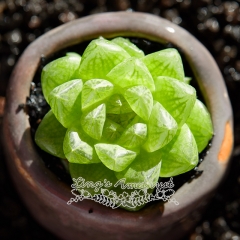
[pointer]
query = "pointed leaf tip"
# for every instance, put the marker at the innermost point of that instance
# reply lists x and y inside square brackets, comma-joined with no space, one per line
[93,121]
[78,151]
[161,128]
[178,98]
[133,136]
[166,62]
[114,156]
[65,102]
[58,72]
[140,100]
[131,72]
[129,47]
[180,155]
[99,58]
[94,91]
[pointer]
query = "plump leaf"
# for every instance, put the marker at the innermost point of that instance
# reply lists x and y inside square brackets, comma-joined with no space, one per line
[180,155]
[94,91]
[111,131]
[78,151]
[50,134]
[117,104]
[99,58]
[140,100]
[92,176]
[161,128]
[166,62]
[84,136]
[131,72]
[144,170]
[133,136]
[200,125]
[178,98]
[114,156]
[65,102]
[93,121]
[58,72]
[131,48]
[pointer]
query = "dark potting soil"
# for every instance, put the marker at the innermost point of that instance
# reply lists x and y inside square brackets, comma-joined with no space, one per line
[216,23]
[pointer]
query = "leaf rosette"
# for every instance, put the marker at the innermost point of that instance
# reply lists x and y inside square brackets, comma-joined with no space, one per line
[118,114]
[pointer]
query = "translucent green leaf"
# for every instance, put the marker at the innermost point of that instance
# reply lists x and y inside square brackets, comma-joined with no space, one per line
[50,134]
[93,176]
[166,62]
[144,170]
[78,151]
[180,155]
[187,80]
[140,100]
[178,98]
[58,72]
[122,119]
[83,135]
[131,72]
[114,156]
[161,128]
[117,104]
[73,54]
[94,91]
[133,136]
[111,131]
[65,101]
[93,121]
[200,125]
[131,48]
[99,58]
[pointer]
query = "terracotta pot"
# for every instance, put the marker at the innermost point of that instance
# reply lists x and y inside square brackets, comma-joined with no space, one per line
[46,197]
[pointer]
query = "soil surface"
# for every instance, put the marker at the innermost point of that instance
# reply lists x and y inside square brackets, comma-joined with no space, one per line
[215,23]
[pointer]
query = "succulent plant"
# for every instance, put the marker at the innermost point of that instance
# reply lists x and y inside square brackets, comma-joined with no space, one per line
[116,113]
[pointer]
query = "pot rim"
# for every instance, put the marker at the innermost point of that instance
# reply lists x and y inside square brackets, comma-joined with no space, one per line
[27,165]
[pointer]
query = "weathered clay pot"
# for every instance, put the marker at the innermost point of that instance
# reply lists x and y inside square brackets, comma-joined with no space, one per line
[46,197]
